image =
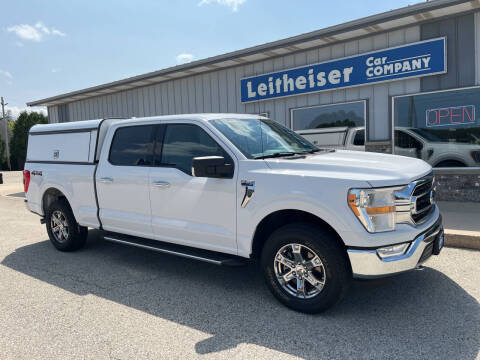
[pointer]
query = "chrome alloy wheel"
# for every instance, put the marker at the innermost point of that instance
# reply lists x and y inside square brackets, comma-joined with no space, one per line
[299,271]
[59,226]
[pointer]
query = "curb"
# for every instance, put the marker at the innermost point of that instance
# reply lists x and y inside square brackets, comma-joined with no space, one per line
[462,239]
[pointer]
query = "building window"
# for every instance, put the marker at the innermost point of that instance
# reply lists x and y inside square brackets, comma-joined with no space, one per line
[336,125]
[440,127]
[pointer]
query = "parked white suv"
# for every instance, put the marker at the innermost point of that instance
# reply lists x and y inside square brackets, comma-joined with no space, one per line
[411,142]
[228,187]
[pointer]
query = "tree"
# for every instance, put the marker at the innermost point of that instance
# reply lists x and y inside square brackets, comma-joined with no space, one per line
[18,142]
[3,156]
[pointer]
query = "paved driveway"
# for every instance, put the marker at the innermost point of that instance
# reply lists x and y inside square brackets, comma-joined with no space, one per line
[110,301]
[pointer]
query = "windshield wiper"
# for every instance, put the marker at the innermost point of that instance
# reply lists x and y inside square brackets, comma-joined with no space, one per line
[275,155]
[317,150]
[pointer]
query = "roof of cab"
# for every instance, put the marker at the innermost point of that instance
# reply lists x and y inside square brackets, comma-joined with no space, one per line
[94,124]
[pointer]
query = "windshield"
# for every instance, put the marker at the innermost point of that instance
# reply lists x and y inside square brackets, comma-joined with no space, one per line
[258,138]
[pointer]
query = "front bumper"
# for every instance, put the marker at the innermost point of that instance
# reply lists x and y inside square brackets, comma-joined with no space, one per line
[366,263]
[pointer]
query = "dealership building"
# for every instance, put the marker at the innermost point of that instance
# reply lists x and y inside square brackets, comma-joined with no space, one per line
[405,81]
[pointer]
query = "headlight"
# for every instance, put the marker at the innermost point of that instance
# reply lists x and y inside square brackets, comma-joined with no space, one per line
[375,208]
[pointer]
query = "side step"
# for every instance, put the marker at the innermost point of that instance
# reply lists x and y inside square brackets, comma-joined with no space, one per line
[178,250]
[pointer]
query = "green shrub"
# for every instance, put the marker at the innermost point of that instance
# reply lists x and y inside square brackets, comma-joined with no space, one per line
[18,142]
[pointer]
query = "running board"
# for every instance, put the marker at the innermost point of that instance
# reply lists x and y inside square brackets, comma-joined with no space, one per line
[178,250]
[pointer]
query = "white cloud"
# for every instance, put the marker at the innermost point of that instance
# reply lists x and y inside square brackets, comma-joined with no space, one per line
[55,70]
[57,32]
[233,4]
[6,74]
[26,32]
[15,110]
[184,58]
[35,32]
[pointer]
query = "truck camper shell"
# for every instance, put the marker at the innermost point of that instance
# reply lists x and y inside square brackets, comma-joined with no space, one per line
[73,142]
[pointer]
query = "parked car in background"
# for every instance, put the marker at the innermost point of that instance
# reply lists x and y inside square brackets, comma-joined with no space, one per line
[411,142]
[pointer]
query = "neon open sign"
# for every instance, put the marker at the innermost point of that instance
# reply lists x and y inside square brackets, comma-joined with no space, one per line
[450,116]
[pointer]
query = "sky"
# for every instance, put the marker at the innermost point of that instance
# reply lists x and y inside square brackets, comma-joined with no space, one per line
[56,46]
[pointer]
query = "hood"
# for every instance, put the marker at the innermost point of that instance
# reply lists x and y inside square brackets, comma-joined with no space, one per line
[374,168]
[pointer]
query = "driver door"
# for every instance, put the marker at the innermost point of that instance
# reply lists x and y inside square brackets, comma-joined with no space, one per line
[188,210]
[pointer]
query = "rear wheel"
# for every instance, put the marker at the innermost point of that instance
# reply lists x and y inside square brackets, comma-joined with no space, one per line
[63,230]
[305,268]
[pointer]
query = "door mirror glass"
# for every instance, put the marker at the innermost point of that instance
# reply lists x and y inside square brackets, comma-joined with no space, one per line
[212,167]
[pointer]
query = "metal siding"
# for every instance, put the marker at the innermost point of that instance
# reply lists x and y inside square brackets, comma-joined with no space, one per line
[222,91]
[192,108]
[52,116]
[164,91]
[460,33]
[465,50]
[207,103]
[199,93]
[182,96]
[214,90]
[231,90]
[239,73]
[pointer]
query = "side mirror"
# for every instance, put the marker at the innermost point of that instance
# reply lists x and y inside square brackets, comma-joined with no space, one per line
[212,167]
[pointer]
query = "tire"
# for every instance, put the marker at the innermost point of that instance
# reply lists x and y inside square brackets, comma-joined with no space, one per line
[450,163]
[332,274]
[62,228]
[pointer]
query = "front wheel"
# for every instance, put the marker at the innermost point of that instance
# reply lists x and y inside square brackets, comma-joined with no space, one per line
[305,268]
[63,230]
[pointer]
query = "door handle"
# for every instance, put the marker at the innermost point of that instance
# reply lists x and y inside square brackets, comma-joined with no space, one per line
[161,184]
[106,180]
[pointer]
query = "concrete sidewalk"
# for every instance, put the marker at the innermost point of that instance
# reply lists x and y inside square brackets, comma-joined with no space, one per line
[461,220]
[462,223]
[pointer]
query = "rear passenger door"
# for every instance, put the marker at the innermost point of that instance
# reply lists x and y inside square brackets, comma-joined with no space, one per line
[123,181]
[188,210]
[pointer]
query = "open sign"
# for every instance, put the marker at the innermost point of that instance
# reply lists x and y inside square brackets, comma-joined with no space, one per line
[450,116]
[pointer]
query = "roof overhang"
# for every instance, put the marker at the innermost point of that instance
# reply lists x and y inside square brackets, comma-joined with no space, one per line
[387,21]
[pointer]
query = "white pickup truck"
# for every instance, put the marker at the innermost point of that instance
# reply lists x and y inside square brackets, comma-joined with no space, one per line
[224,188]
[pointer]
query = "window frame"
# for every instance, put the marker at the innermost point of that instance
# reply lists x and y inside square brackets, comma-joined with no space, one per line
[392,123]
[164,125]
[152,137]
[365,112]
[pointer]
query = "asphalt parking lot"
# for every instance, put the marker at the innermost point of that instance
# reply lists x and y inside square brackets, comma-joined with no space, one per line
[109,301]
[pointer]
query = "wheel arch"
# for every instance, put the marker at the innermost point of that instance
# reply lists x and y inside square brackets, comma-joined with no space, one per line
[279,218]
[50,195]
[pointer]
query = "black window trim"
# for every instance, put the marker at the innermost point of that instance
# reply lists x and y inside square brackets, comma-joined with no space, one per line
[152,137]
[165,125]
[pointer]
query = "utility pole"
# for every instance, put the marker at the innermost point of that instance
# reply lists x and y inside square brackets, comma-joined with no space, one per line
[6,135]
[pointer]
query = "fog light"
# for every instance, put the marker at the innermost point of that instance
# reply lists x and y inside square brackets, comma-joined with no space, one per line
[392,250]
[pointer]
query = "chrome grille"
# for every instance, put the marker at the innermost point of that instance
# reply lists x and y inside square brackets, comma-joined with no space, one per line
[414,203]
[422,198]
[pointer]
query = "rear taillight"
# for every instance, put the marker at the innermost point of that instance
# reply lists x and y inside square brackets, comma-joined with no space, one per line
[26,180]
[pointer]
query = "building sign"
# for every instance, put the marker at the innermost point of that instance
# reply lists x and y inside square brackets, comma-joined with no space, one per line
[412,60]
[450,116]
